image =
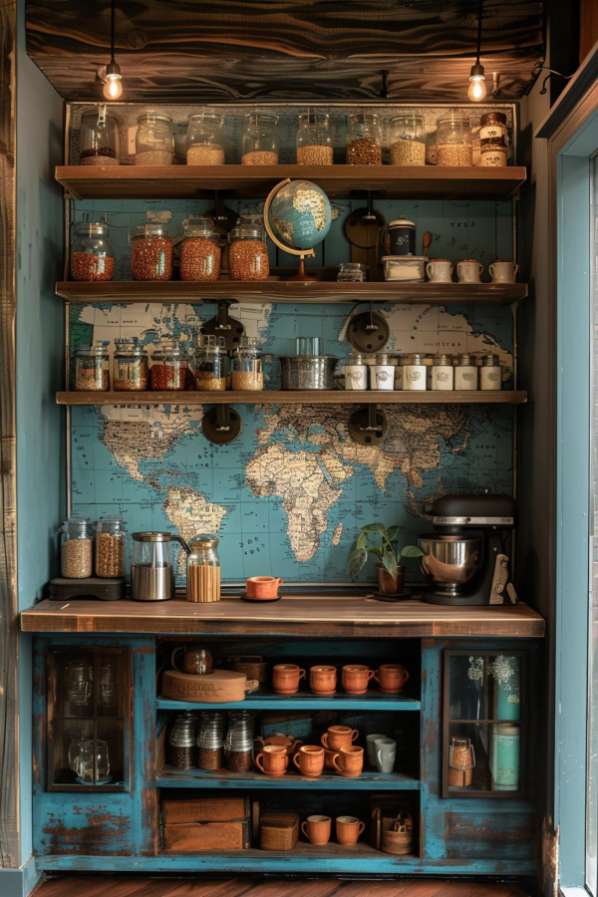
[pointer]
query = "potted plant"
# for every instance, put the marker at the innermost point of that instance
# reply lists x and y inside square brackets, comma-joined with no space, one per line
[381,542]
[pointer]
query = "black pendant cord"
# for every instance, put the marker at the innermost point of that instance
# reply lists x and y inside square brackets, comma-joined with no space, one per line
[479,43]
[112,32]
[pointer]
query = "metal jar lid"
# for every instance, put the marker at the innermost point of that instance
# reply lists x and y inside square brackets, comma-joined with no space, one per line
[465,360]
[446,360]
[153,537]
[490,361]
[493,118]
[416,359]
[92,229]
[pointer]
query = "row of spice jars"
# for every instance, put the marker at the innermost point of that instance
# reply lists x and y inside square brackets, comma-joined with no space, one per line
[212,742]
[422,372]
[78,539]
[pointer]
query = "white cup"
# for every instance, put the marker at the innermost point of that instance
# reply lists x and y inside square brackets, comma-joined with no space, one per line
[370,741]
[469,271]
[386,754]
[502,271]
[439,271]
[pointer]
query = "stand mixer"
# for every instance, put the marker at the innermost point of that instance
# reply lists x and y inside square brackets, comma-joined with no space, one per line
[467,558]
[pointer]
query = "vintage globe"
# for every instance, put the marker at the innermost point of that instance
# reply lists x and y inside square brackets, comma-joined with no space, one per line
[300,215]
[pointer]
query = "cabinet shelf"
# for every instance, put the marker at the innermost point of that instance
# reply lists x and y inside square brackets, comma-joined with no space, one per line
[223,779]
[372,701]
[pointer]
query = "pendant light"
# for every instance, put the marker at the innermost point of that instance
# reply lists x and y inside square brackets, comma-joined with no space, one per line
[113,79]
[477,88]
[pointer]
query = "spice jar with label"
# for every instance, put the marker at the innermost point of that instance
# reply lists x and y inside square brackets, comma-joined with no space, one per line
[407,139]
[414,372]
[238,745]
[210,740]
[203,571]
[441,373]
[364,139]
[168,366]
[151,253]
[356,372]
[211,363]
[453,141]
[247,365]
[205,141]
[260,139]
[154,140]
[181,741]
[351,272]
[200,251]
[92,368]
[98,138]
[110,547]
[92,257]
[490,373]
[493,153]
[382,372]
[314,140]
[130,365]
[466,372]
[76,548]
[248,253]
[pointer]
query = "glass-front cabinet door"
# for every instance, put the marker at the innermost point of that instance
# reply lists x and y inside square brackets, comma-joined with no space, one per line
[483,724]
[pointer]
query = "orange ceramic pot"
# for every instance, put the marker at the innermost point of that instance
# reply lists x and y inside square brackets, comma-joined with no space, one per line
[355,678]
[309,760]
[391,677]
[348,830]
[272,760]
[348,762]
[317,830]
[322,680]
[286,678]
[262,587]
[337,737]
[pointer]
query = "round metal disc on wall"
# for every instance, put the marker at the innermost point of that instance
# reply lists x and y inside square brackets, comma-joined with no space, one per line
[221,424]
[368,331]
[367,426]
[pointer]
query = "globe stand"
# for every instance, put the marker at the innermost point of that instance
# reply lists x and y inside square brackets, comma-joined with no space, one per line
[301,275]
[302,254]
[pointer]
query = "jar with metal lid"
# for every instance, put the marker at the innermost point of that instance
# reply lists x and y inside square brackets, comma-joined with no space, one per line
[247,365]
[200,250]
[98,138]
[92,257]
[364,139]
[168,366]
[407,139]
[314,139]
[92,367]
[490,373]
[356,372]
[441,374]
[453,141]
[493,152]
[238,745]
[155,557]
[76,548]
[351,272]
[260,139]
[203,570]
[382,372]
[110,547]
[414,372]
[493,126]
[154,140]
[210,740]
[211,363]
[151,253]
[181,741]
[248,253]
[466,372]
[130,365]
[205,140]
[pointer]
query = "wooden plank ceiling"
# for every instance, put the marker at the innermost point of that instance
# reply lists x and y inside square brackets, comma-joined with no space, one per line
[201,50]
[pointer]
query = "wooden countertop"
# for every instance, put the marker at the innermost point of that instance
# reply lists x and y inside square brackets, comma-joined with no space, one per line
[297,616]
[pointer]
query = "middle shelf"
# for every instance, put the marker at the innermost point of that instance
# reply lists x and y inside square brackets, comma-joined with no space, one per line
[367,781]
[395,704]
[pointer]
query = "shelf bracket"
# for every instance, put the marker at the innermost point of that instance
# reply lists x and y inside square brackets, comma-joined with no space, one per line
[367,426]
[221,424]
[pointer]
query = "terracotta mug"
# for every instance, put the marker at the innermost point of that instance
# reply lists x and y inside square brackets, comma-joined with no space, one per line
[197,661]
[348,829]
[337,737]
[272,760]
[391,677]
[309,760]
[317,830]
[253,667]
[286,678]
[289,743]
[348,762]
[262,587]
[355,678]
[322,680]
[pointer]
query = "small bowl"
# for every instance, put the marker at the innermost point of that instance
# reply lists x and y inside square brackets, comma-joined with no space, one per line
[262,587]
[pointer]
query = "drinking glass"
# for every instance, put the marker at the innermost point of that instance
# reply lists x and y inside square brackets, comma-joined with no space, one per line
[92,762]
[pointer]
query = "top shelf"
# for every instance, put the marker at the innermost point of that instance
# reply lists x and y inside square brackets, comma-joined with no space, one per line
[190,181]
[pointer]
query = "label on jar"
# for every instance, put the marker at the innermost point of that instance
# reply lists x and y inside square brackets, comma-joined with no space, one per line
[466,377]
[489,132]
[356,376]
[382,376]
[414,376]
[490,377]
[443,376]
[493,158]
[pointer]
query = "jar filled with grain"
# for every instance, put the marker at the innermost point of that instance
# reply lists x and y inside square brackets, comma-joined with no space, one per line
[314,139]
[407,139]
[260,139]
[151,252]
[168,366]
[453,141]
[92,257]
[110,547]
[247,365]
[201,254]
[130,365]
[248,253]
[205,141]
[211,363]
[203,570]
[98,138]
[351,272]
[364,139]
[154,140]
[92,367]
[76,548]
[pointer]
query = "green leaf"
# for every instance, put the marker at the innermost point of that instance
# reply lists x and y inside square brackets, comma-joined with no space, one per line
[411,551]
[357,561]
[373,528]
[393,533]
[389,562]
[361,542]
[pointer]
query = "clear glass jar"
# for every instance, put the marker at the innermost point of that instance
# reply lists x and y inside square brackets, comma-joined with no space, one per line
[493,126]
[92,257]
[382,372]
[314,139]
[211,363]
[151,253]
[414,372]
[130,365]
[110,547]
[407,139]
[205,141]
[493,152]
[364,139]
[248,253]
[98,138]
[490,373]
[203,570]
[247,365]
[168,366]
[453,142]
[76,548]
[154,140]
[351,272]
[260,139]
[92,368]
[466,372]
[91,762]
[431,148]
[201,254]
[441,375]
[356,372]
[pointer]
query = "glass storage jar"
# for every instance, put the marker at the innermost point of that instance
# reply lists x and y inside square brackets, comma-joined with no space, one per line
[203,570]
[151,253]
[364,139]
[314,139]
[453,141]
[92,257]
[154,140]
[98,138]
[493,152]
[200,251]
[205,142]
[130,365]
[92,368]
[407,139]
[248,253]
[76,548]
[110,547]
[260,139]
[247,365]
[351,272]
[211,363]
[168,366]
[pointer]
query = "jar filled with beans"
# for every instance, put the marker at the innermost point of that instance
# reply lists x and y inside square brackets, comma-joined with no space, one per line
[200,251]
[110,547]
[211,363]
[248,253]
[168,366]
[151,253]
[407,139]
[260,139]
[76,548]
[92,368]
[364,139]
[154,140]
[314,140]
[453,140]
[247,365]
[92,257]
[205,142]
[130,369]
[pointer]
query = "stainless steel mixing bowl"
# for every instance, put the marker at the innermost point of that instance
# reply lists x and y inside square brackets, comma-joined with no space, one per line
[450,561]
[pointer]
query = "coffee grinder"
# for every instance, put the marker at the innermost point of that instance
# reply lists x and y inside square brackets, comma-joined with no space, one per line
[467,559]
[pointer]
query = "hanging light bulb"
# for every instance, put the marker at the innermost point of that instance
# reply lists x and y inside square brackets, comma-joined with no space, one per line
[113,79]
[477,89]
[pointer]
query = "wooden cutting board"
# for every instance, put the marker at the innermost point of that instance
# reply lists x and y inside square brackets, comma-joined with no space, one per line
[217,687]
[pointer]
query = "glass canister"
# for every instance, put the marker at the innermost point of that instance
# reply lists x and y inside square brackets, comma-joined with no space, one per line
[351,272]
[356,372]
[200,251]
[407,139]
[181,741]
[154,140]
[205,142]
[92,257]
[110,547]
[130,365]
[248,253]
[98,138]
[211,363]
[91,762]
[155,558]
[466,372]
[314,139]
[76,548]
[151,253]
[364,139]
[493,152]
[92,368]
[168,366]
[260,139]
[453,141]
[382,372]
[415,372]
[247,365]
[203,571]
[490,373]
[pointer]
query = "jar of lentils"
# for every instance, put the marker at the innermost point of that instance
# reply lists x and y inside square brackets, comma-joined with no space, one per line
[314,140]
[248,253]
[130,367]
[110,547]
[92,257]
[211,363]
[200,251]
[260,139]
[407,139]
[168,366]
[154,140]
[151,254]
[76,548]
[453,141]
[205,141]
[92,368]
[247,365]
[364,139]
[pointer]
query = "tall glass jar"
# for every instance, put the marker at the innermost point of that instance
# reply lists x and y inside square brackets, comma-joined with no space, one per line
[200,251]
[260,139]
[92,368]
[203,571]
[92,257]
[248,253]
[168,366]
[130,365]
[314,140]
[205,141]
[110,547]
[151,253]
[98,138]
[247,365]
[154,140]
[407,139]
[211,363]
[453,141]
[76,548]
[364,139]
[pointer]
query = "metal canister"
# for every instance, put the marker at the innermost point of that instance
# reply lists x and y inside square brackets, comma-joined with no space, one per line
[399,237]
[308,371]
[210,740]
[466,372]
[504,757]
[181,741]
[441,375]
[490,373]
[238,745]
[414,372]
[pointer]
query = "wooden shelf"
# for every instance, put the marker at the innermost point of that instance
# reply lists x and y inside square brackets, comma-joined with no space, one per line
[257,781]
[374,700]
[325,292]
[189,181]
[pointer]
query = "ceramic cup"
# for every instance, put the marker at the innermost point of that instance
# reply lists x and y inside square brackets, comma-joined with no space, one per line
[317,830]
[289,743]
[322,679]
[440,271]
[197,661]
[262,587]
[391,677]
[370,746]
[469,271]
[355,678]
[348,762]
[337,737]
[348,829]
[386,753]
[502,271]
[309,760]
[286,678]
[253,667]
[272,760]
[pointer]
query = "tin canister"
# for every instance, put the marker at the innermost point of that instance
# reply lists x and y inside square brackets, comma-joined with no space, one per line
[399,237]
[504,757]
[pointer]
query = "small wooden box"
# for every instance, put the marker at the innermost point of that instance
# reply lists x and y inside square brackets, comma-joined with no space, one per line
[202,809]
[199,824]
[279,831]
